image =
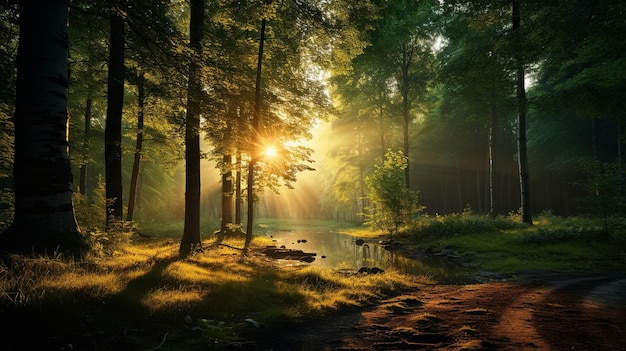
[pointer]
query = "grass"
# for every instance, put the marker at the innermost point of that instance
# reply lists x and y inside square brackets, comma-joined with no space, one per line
[503,245]
[143,296]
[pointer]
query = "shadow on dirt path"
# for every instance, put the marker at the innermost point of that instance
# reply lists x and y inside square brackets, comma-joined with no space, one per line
[547,311]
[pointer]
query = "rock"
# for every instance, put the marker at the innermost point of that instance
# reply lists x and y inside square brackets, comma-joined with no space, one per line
[373,270]
[289,254]
[359,242]
[376,270]
[252,322]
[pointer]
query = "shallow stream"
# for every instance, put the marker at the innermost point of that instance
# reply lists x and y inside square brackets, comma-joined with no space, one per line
[342,252]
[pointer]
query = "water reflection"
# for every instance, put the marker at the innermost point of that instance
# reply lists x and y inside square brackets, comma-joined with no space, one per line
[340,251]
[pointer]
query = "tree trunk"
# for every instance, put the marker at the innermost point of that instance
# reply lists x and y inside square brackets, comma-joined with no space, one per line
[85,157]
[113,127]
[191,232]
[132,195]
[382,132]
[256,125]
[227,196]
[406,61]
[44,213]
[493,128]
[238,199]
[522,152]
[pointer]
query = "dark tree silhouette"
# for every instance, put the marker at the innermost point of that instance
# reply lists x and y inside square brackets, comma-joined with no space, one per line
[44,213]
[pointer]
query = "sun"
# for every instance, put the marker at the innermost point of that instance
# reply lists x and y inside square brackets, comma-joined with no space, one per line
[270,152]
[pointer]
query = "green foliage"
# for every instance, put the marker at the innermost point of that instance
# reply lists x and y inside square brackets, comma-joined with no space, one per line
[112,241]
[90,211]
[439,226]
[90,214]
[392,204]
[606,187]
[503,244]
[544,235]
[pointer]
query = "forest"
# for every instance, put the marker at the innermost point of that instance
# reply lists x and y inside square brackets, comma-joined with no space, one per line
[312,175]
[183,112]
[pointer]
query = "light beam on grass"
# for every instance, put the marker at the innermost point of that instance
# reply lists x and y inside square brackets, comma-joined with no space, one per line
[190,272]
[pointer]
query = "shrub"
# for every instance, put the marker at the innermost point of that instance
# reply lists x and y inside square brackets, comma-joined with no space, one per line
[466,223]
[393,205]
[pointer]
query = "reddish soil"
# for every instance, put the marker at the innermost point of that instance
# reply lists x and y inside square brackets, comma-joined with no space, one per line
[541,312]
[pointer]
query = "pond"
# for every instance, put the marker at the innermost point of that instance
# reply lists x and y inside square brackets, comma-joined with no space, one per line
[342,252]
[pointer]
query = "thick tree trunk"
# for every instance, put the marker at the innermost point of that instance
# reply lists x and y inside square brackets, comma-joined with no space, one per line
[191,232]
[85,157]
[132,194]
[113,127]
[522,152]
[44,214]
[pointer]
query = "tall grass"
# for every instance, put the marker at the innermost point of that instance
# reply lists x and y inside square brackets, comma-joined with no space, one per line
[215,294]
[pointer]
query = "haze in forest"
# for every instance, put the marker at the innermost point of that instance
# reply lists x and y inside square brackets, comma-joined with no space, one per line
[475,102]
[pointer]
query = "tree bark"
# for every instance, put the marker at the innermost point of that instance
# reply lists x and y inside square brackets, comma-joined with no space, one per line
[406,61]
[44,214]
[493,128]
[132,194]
[113,127]
[191,231]
[227,195]
[522,152]
[256,125]
[83,166]
[238,199]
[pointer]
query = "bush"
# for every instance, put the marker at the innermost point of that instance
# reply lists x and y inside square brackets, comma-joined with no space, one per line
[393,205]
[466,223]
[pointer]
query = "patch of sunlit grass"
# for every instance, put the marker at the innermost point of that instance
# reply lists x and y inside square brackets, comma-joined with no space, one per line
[325,289]
[95,284]
[190,273]
[218,283]
[173,299]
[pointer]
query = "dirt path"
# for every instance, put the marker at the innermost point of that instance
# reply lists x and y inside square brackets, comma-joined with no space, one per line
[546,312]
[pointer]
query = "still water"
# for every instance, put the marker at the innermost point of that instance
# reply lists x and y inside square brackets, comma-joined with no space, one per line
[341,252]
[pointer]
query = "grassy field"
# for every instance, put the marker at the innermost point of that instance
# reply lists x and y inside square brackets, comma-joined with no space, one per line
[142,296]
[504,245]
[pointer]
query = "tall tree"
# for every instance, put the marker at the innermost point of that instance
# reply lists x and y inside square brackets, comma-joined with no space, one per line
[82,184]
[115,105]
[44,213]
[405,38]
[475,76]
[132,193]
[522,151]
[191,231]
[256,129]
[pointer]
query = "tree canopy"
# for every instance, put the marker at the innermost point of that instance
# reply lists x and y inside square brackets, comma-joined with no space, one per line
[455,85]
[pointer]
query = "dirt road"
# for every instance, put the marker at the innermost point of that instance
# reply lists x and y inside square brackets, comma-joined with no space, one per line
[549,312]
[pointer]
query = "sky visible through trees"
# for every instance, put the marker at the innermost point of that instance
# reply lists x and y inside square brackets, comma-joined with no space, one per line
[342,83]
